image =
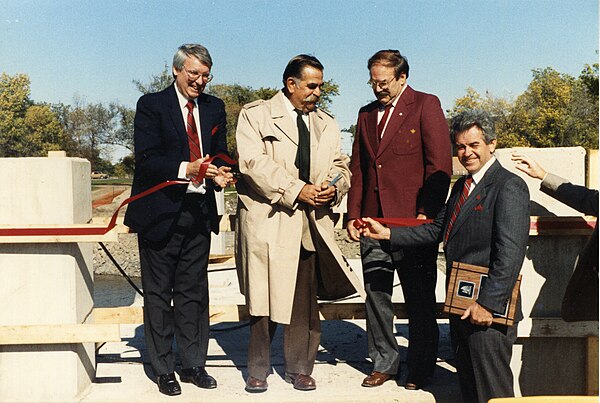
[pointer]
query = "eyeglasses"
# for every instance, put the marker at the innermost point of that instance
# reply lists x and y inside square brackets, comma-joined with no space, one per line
[381,84]
[194,75]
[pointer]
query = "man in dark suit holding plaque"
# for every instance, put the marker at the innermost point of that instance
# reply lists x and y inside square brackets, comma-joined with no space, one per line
[175,130]
[485,223]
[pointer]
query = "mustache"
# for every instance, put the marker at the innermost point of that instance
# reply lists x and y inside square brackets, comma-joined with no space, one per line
[312,98]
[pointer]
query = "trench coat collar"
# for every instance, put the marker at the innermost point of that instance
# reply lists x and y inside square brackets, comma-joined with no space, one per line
[287,125]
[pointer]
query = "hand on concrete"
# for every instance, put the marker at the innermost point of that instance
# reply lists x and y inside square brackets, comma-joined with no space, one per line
[528,165]
[479,315]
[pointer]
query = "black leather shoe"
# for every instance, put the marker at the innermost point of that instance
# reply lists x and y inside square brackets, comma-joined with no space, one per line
[168,385]
[198,377]
[415,383]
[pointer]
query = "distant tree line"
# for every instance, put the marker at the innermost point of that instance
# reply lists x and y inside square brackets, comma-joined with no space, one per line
[556,110]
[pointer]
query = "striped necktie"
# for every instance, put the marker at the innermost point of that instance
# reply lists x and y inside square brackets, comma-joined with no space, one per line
[192,134]
[461,200]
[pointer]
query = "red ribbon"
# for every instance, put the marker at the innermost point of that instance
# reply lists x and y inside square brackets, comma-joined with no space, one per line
[393,222]
[113,221]
[541,224]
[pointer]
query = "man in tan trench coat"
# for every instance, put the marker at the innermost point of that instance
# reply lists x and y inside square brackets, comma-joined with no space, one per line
[289,152]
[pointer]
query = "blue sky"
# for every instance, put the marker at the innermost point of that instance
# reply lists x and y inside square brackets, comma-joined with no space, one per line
[94,49]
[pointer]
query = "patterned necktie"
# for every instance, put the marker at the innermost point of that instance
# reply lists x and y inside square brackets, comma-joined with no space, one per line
[303,153]
[193,140]
[461,200]
[381,123]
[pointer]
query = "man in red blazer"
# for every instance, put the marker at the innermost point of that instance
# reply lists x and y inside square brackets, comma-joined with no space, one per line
[401,166]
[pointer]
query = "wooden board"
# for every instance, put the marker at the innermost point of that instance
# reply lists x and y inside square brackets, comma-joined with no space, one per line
[58,334]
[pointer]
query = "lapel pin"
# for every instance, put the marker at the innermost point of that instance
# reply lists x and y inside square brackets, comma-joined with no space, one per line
[412,131]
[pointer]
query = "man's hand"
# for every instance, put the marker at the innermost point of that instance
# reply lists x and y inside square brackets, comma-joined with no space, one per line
[326,195]
[193,168]
[353,233]
[223,177]
[317,196]
[528,165]
[309,194]
[479,315]
[421,216]
[374,229]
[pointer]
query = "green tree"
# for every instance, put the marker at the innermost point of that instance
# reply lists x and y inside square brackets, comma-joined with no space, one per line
[26,129]
[157,82]
[499,108]
[589,79]
[557,110]
[235,96]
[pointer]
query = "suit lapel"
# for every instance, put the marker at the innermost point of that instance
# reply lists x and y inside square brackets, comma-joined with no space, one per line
[206,124]
[399,113]
[371,126]
[476,197]
[174,109]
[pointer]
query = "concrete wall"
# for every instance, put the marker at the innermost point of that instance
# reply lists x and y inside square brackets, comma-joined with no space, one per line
[549,365]
[567,162]
[48,283]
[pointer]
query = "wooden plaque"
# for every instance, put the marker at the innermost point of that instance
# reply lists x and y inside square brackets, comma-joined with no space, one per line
[463,289]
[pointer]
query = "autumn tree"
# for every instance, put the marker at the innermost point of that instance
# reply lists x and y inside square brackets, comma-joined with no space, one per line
[556,110]
[26,129]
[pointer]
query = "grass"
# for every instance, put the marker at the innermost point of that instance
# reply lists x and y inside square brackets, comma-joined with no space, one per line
[112,181]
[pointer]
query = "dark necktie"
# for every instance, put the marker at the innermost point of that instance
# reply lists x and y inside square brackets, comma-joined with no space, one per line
[303,154]
[193,140]
[381,123]
[461,200]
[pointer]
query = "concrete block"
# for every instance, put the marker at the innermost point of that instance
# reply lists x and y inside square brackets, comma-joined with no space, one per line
[567,162]
[46,283]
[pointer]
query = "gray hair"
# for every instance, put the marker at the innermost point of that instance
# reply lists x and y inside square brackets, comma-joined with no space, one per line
[473,117]
[191,50]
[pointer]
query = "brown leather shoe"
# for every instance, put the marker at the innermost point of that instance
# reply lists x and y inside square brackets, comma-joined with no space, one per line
[376,379]
[301,381]
[254,385]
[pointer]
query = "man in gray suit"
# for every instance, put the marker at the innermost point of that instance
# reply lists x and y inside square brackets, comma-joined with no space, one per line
[486,223]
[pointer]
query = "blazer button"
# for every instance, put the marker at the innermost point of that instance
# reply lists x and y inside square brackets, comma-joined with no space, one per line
[378,166]
[376,189]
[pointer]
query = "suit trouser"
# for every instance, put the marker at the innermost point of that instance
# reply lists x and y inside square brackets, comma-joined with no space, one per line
[176,270]
[483,359]
[417,270]
[301,337]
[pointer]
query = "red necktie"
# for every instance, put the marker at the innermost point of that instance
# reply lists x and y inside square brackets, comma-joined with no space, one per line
[457,207]
[192,133]
[381,123]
